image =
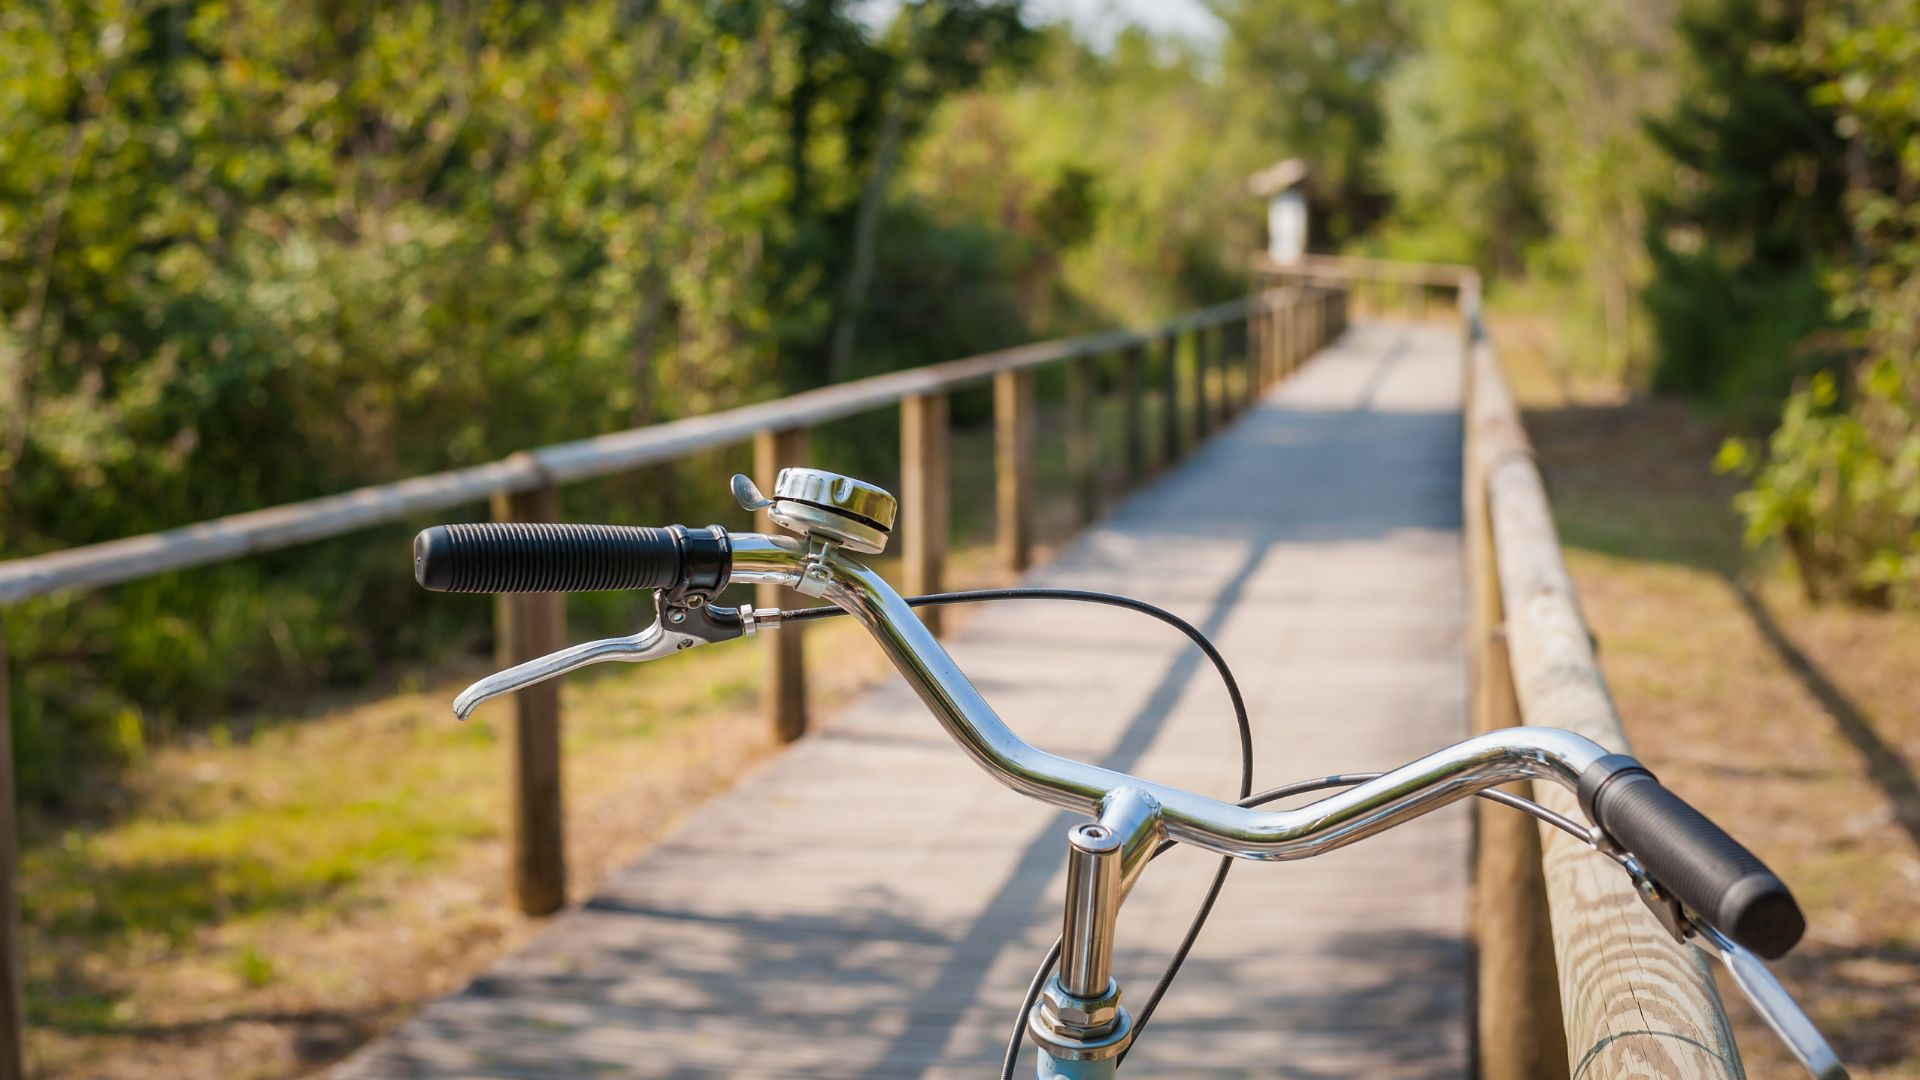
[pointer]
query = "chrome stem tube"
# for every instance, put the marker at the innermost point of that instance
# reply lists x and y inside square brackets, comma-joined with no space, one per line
[1104,859]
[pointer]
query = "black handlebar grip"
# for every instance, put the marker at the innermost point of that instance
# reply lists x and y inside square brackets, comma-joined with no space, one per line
[514,557]
[1707,870]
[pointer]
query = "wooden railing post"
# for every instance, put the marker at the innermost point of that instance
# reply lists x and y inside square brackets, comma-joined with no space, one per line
[1013,466]
[1080,457]
[13,1053]
[924,498]
[1132,378]
[1272,339]
[1170,391]
[1286,340]
[527,625]
[783,696]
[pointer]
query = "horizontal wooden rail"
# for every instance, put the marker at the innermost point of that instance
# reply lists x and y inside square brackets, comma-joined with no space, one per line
[251,533]
[1628,1000]
[1345,268]
[1633,1001]
[1636,1002]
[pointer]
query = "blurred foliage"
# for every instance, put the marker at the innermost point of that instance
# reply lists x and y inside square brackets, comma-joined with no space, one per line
[1115,182]
[1718,196]
[255,251]
[1737,241]
[1515,142]
[1839,483]
[1310,78]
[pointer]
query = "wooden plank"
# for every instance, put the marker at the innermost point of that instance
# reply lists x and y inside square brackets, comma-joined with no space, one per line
[529,625]
[1636,1003]
[1082,471]
[924,498]
[12,1023]
[783,696]
[1013,467]
[256,531]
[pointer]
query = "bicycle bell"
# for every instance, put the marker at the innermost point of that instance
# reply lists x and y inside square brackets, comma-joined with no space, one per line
[822,505]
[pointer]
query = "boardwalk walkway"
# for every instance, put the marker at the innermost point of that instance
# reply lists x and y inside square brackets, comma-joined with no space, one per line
[871,904]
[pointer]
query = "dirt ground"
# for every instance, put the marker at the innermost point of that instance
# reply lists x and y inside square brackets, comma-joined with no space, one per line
[1797,727]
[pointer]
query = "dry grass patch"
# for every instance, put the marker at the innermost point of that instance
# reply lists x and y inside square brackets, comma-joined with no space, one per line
[1794,726]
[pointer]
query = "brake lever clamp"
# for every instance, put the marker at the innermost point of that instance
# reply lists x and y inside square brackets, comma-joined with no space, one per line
[697,621]
[1667,910]
[677,626]
[1750,973]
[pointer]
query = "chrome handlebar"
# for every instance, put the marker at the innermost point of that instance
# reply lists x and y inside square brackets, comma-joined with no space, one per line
[1447,775]
[1413,789]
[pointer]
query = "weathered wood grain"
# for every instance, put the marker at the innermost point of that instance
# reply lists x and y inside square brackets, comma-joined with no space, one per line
[253,532]
[1521,1033]
[529,625]
[924,498]
[1013,467]
[1636,1003]
[783,694]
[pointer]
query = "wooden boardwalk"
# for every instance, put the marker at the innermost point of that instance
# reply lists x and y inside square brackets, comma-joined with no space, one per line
[871,904]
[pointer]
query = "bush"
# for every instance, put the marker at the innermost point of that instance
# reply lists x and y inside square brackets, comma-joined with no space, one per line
[1840,487]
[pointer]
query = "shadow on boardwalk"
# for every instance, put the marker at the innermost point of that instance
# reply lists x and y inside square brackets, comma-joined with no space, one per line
[872,904]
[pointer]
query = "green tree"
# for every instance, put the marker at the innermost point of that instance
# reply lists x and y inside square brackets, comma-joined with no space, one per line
[1736,244]
[1840,483]
[1310,77]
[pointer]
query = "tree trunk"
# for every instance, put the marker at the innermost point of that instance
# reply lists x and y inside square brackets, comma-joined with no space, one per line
[866,233]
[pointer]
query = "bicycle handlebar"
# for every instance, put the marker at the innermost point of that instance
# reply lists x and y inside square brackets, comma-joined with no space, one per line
[1714,876]
[507,557]
[1708,871]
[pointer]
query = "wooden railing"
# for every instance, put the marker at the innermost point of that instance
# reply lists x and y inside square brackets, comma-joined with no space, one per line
[1574,977]
[1235,351]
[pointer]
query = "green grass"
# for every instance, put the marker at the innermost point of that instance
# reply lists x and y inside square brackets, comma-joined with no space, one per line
[310,820]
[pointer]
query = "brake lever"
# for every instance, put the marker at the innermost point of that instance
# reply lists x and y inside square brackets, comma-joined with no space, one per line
[1750,973]
[677,626]
[1777,1007]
